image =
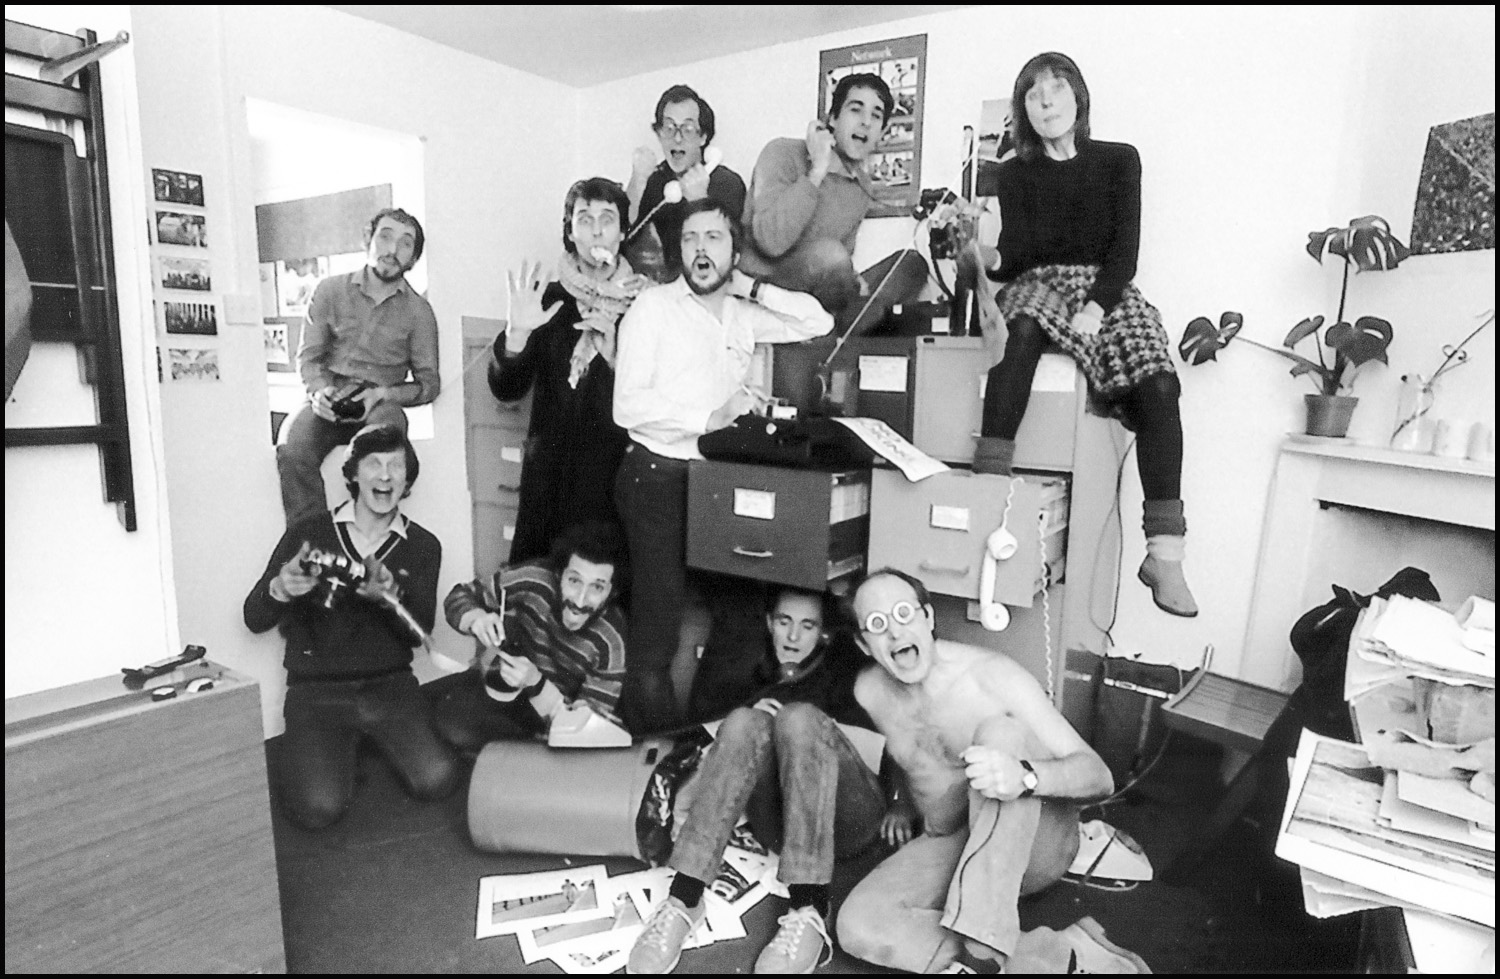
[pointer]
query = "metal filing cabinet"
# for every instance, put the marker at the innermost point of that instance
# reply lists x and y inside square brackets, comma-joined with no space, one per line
[799,527]
[495,449]
[930,389]
[936,530]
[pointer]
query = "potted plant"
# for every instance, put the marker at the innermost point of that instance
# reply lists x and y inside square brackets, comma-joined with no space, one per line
[1364,242]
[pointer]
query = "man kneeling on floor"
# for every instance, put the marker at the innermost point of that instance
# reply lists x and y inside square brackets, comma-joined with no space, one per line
[786,763]
[996,772]
[549,632]
[354,591]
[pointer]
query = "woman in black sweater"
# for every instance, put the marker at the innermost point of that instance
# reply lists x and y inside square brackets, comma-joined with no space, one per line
[1071,212]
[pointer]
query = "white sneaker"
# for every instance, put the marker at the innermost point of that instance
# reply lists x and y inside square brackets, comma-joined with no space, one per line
[660,946]
[801,945]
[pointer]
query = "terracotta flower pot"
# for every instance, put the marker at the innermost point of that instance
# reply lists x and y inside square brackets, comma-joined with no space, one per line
[1329,415]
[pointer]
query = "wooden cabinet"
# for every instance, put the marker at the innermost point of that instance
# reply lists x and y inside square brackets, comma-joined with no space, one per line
[138,832]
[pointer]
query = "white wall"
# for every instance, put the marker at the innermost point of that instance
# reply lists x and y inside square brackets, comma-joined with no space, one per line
[83,597]
[1254,128]
[496,147]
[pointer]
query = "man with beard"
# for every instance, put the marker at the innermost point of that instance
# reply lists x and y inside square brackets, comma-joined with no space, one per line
[684,357]
[364,333]
[996,773]
[548,634]
[684,125]
[808,198]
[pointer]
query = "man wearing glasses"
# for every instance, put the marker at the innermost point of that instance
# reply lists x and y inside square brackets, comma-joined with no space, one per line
[685,126]
[996,772]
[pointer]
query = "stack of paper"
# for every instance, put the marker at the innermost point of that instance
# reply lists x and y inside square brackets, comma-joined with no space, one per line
[586,921]
[1367,837]
[1402,637]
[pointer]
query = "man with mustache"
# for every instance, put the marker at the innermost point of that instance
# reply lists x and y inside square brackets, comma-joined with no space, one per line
[364,333]
[808,198]
[681,371]
[996,773]
[548,632]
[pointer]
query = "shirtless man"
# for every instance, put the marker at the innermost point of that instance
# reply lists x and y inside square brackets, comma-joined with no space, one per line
[996,773]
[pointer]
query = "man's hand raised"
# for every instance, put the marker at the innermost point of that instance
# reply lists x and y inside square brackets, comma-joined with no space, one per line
[819,150]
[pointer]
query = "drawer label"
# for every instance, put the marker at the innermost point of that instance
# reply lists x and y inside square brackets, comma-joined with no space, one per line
[508,531]
[510,453]
[756,504]
[848,501]
[882,373]
[949,517]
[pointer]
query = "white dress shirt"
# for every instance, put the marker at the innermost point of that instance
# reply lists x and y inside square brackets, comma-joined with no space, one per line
[677,363]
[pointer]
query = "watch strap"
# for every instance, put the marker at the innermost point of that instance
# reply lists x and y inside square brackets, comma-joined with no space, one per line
[1029,780]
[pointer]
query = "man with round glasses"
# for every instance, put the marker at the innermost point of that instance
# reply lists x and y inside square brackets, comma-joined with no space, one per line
[685,127]
[996,772]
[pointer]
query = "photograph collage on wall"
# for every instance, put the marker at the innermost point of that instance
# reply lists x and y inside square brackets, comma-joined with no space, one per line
[183,277]
[895,167]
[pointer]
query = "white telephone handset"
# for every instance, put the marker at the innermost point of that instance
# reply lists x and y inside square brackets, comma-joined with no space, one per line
[712,157]
[1000,546]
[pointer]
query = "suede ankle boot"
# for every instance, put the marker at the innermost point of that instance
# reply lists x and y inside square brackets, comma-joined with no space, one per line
[994,455]
[1162,573]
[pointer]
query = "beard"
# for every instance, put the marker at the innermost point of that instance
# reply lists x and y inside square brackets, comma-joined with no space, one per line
[379,271]
[708,288]
[587,613]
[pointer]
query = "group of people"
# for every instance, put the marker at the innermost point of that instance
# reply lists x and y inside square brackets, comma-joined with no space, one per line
[640,345]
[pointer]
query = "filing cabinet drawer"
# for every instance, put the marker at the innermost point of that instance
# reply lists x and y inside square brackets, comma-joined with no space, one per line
[496,457]
[494,529]
[798,527]
[931,390]
[481,407]
[936,530]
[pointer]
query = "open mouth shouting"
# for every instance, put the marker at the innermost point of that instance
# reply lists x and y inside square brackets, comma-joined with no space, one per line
[906,657]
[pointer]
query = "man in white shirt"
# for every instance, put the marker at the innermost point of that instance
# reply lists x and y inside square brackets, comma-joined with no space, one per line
[680,372]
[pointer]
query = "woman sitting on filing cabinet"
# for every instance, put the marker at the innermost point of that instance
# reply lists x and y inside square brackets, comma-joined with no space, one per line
[1071,212]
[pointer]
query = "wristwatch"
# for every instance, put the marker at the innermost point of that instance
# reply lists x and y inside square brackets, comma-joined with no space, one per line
[1028,779]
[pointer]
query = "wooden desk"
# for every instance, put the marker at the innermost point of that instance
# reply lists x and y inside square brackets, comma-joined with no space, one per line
[138,832]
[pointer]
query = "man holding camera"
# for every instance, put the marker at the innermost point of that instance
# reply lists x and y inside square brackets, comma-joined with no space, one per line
[549,632]
[354,591]
[364,333]
[807,200]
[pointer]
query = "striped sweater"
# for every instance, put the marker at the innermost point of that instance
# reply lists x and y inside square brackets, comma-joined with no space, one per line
[589,663]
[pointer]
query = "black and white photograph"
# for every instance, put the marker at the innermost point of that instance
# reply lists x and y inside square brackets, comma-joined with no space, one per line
[192,318]
[193,363]
[185,273]
[179,228]
[817,489]
[176,187]
[512,902]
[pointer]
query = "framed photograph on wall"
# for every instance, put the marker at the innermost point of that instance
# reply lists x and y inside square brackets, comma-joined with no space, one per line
[176,187]
[895,167]
[185,273]
[197,319]
[177,228]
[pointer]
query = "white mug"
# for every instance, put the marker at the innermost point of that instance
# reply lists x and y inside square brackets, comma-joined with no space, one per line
[1482,444]
[1451,439]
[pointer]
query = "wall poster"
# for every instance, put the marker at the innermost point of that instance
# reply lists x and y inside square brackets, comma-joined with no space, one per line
[895,166]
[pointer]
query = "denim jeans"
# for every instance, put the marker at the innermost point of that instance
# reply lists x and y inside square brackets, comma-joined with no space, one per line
[468,718]
[307,442]
[651,497]
[324,722]
[796,769]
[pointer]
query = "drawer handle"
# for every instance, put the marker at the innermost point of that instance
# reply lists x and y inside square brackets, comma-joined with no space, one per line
[961,569]
[756,554]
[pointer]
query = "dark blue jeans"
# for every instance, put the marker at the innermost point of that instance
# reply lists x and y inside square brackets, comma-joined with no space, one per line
[651,497]
[796,772]
[319,751]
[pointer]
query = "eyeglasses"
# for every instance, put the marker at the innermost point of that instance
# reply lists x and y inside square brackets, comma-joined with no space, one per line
[902,613]
[669,131]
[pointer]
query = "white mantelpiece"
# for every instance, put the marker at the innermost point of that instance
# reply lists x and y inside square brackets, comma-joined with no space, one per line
[1310,476]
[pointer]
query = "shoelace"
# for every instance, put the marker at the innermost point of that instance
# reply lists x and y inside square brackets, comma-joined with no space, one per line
[790,927]
[656,931]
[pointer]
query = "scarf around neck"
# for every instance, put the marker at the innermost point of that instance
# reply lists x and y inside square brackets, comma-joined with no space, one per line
[601,303]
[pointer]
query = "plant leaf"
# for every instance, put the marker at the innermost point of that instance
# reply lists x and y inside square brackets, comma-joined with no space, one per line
[1366,340]
[1302,331]
[1201,341]
[1321,242]
[1371,245]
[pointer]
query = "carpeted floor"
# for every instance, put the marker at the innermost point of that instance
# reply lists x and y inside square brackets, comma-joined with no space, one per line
[393,888]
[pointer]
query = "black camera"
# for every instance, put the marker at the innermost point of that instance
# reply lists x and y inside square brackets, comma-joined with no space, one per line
[944,238]
[346,404]
[337,574]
